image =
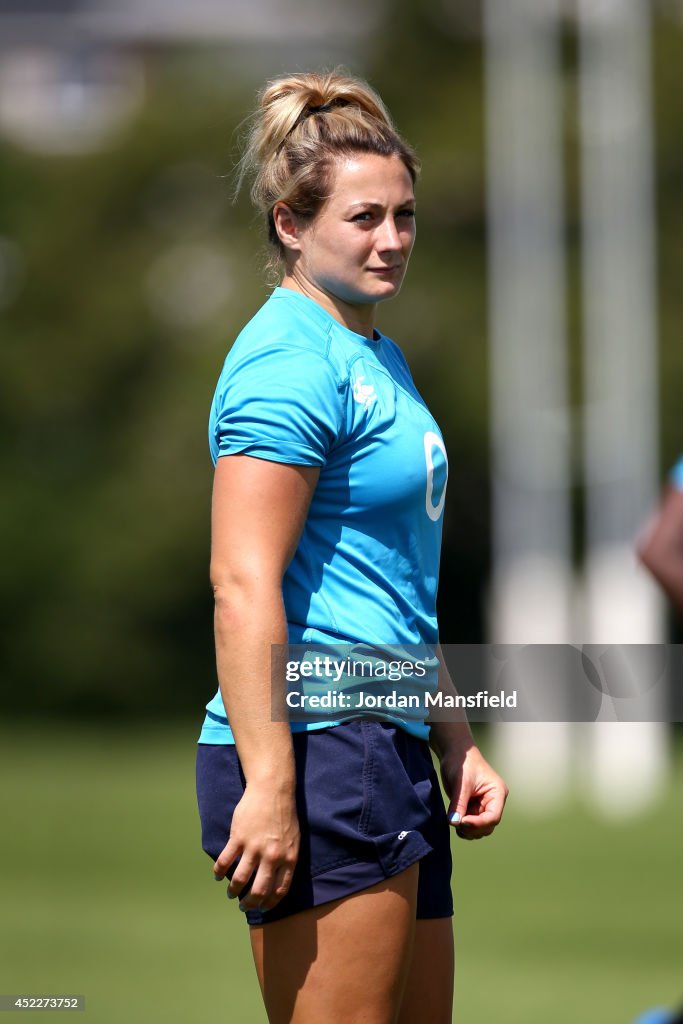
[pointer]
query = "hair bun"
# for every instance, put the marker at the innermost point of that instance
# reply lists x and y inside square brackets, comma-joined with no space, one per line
[285,102]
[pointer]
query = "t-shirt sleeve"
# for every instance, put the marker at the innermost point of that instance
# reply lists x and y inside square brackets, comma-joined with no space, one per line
[280,403]
[677,475]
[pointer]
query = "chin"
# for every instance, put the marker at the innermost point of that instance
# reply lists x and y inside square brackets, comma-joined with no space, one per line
[384,289]
[379,291]
[389,290]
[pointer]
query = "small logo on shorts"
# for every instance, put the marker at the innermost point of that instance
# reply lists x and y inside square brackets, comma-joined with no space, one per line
[402,835]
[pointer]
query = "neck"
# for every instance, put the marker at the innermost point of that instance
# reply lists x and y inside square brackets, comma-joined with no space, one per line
[359,319]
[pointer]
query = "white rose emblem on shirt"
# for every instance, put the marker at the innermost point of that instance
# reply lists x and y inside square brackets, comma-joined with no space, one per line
[364,394]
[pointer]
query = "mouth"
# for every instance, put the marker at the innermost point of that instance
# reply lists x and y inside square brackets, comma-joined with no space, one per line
[385,270]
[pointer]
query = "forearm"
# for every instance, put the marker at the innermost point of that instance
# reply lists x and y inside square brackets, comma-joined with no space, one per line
[248,620]
[448,737]
[476,793]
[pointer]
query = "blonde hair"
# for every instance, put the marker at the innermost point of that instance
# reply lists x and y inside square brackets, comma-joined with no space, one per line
[302,124]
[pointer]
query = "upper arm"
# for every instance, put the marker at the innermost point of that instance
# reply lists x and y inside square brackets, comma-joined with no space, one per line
[258,511]
[275,416]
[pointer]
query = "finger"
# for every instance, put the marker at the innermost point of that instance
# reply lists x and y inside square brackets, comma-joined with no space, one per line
[226,858]
[281,885]
[458,806]
[243,872]
[260,889]
[485,819]
[467,832]
[488,815]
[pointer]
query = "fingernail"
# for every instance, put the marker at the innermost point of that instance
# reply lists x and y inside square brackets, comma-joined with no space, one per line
[454,818]
[231,895]
[243,908]
[217,879]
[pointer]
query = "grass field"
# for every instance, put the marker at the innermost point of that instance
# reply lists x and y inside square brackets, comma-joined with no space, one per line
[105,892]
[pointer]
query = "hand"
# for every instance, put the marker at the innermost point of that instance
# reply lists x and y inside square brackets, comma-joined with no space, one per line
[264,837]
[477,794]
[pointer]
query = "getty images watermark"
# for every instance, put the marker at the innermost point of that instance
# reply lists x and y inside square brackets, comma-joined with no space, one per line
[510,683]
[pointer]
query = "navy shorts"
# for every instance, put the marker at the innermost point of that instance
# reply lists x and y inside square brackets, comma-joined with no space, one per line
[369,806]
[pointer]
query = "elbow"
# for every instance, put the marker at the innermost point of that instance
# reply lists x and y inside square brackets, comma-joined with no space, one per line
[644,553]
[237,585]
[244,604]
[652,562]
[235,575]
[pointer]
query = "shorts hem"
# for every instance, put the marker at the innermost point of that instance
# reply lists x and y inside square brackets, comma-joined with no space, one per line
[326,886]
[436,915]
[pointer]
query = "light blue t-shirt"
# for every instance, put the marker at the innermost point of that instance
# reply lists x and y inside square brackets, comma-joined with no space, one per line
[677,475]
[298,387]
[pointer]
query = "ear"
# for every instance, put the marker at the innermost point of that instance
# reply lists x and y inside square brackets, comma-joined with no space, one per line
[287,225]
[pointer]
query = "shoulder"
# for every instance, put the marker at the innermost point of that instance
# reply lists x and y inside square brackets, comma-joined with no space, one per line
[397,363]
[395,352]
[676,477]
[285,336]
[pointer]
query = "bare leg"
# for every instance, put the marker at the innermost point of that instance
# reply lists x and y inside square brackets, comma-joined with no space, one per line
[428,995]
[344,961]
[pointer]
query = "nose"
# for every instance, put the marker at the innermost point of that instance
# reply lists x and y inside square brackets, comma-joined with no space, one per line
[389,240]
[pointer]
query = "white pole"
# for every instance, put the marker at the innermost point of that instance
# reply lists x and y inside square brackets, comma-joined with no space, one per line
[530,600]
[624,763]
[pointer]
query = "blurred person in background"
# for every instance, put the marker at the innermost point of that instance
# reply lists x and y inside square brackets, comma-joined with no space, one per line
[661,547]
[327,511]
[660,1015]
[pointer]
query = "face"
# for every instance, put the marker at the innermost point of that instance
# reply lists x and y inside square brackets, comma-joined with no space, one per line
[357,247]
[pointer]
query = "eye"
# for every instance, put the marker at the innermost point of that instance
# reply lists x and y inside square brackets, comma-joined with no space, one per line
[407,212]
[364,216]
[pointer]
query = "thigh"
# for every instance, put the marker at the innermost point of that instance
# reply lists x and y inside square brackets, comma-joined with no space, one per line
[428,993]
[345,960]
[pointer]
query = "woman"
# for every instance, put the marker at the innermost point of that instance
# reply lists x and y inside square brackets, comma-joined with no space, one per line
[326,526]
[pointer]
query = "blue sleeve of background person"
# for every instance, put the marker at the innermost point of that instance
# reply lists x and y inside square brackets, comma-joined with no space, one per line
[260,407]
[676,477]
